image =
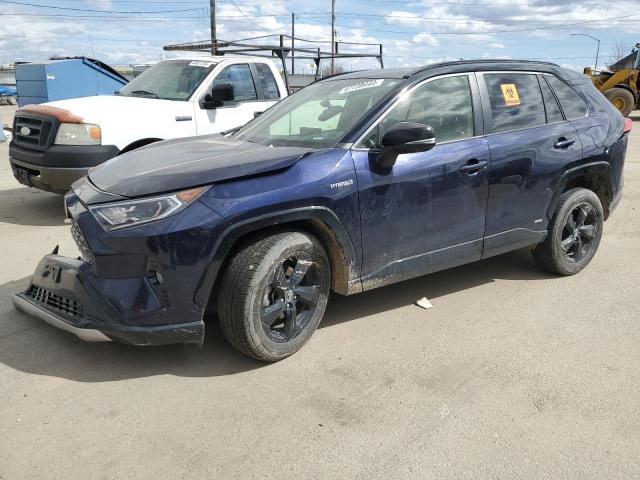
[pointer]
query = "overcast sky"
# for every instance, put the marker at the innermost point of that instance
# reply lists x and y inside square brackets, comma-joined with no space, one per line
[413,33]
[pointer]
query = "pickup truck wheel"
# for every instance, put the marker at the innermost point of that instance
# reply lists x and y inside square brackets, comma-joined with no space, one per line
[574,233]
[274,294]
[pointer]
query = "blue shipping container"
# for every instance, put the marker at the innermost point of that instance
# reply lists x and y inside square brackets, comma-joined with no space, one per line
[65,78]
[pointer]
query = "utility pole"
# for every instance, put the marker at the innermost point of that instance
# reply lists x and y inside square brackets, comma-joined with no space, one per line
[214,38]
[293,43]
[333,36]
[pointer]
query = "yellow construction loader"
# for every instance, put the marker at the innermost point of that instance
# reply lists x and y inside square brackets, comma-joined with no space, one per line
[620,86]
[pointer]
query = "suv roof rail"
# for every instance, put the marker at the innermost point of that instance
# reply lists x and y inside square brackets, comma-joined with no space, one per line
[475,62]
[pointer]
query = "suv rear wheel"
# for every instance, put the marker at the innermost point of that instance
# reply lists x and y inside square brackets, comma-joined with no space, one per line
[574,233]
[274,294]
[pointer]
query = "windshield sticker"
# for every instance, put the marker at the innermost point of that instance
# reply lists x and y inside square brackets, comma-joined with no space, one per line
[362,86]
[510,94]
[200,63]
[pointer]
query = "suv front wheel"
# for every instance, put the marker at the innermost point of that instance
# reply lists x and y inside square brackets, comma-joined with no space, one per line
[273,295]
[574,233]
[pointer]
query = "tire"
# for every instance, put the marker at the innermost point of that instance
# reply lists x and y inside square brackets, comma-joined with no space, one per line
[622,99]
[574,233]
[268,282]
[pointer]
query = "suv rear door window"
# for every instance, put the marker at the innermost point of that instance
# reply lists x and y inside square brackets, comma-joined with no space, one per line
[240,77]
[516,100]
[572,105]
[554,114]
[269,85]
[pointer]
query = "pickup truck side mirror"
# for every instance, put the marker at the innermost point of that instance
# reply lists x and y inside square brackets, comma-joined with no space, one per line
[405,137]
[220,93]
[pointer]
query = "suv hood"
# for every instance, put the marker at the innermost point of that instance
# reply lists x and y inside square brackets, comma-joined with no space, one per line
[185,163]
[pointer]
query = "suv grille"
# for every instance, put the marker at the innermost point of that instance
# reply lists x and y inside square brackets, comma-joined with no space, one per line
[57,302]
[81,242]
[33,132]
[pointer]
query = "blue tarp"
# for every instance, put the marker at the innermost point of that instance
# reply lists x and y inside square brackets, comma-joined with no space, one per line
[7,91]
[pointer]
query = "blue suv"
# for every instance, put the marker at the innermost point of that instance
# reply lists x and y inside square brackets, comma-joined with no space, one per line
[352,183]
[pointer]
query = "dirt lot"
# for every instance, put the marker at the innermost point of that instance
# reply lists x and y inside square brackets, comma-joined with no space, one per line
[513,374]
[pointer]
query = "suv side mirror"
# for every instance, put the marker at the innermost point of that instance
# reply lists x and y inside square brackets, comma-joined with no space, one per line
[405,137]
[220,93]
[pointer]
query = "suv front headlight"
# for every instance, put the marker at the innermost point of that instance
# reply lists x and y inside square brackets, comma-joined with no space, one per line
[78,134]
[135,212]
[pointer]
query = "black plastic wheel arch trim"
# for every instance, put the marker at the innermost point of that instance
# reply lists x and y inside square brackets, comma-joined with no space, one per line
[237,230]
[601,167]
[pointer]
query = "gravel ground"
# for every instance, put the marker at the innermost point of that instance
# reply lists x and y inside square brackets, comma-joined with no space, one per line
[513,374]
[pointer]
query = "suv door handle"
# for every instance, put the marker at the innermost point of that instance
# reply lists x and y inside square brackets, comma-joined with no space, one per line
[563,143]
[473,166]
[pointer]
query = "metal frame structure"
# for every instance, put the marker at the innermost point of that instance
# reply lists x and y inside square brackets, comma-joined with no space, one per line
[263,46]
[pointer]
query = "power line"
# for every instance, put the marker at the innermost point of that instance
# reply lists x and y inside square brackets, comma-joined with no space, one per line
[79,35]
[502,4]
[99,18]
[117,18]
[244,14]
[433,19]
[12,2]
[408,2]
[122,15]
[491,32]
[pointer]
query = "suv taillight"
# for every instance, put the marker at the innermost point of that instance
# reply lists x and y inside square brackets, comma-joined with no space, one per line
[628,123]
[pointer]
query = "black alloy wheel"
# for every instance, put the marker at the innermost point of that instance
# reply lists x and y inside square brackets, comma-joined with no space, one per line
[274,294]
[574,233]
[291,299]
[580,232]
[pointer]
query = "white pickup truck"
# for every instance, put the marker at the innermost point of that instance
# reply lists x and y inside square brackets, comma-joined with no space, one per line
[56,143]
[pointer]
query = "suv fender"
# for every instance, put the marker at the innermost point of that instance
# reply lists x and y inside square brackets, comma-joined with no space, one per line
[593,176]
[318,220]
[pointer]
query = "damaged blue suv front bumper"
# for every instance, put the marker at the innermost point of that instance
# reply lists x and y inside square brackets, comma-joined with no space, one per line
[64,293]
[135,285]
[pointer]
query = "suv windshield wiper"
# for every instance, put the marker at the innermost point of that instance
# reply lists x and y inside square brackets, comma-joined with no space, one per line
[145,93]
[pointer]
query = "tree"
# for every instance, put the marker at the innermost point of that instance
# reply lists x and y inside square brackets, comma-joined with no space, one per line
[619,50]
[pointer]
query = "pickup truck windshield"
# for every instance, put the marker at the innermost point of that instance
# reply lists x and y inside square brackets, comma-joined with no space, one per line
[318,115]
[170,80]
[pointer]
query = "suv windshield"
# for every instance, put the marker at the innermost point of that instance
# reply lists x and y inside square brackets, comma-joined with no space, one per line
[170,80]
[318,115]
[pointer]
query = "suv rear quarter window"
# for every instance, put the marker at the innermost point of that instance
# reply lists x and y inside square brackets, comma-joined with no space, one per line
[515,100]
[554,114]
[572,104]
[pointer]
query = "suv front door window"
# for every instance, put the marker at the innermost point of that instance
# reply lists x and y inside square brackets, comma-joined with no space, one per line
[444,103]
